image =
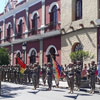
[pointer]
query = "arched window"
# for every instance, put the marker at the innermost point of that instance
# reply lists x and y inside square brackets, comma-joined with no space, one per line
[20,27]
[52,54]
[78,9]
[33,57]
[8,31]
[77,47]
[18,55]
[53,17]
[35,23]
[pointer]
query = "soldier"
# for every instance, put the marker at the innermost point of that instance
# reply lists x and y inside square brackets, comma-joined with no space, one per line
[49,75]
[38,74]
[92,74]
[71,77]
[44,67]
[78,69]
[35,75]
[29,73]
[66,73]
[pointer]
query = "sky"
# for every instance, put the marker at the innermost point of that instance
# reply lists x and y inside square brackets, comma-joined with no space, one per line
[3,3]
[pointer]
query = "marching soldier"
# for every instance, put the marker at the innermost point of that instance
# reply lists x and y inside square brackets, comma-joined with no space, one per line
[92,74]
[44,67]
[35,75]
[49,75]
[71,77]
[78,69]
[38,73]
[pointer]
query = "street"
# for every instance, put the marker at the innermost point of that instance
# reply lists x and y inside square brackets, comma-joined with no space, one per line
[12,91]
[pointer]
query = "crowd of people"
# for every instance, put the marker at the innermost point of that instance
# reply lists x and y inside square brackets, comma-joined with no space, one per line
[72,73]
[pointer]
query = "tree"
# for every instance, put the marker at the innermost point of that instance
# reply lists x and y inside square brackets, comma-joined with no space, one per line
[80,55]
[4,56]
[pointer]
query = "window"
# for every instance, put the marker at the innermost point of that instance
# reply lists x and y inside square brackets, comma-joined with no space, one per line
[8,31]
[52,53]
[20,26]
[53,17]
[78,9]
[35,22]
[33,57]
[18,55]
[77,47]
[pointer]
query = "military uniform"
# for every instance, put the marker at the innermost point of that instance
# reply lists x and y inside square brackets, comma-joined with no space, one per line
[35,76]
[92,74]
[44,74]
[71,78]
[78,69]
[49,76]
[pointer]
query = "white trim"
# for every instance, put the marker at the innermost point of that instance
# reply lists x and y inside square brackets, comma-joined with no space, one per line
[18,9]
[34,12]
[9,23]
[52,5]
[18,21]
[18,51]
[48,49]
[29,54]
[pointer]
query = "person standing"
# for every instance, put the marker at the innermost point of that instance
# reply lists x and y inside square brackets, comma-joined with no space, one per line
[71,77]
[92,74]
[35,75]
[44,68]
[49,75]
[78,70]
[38,73]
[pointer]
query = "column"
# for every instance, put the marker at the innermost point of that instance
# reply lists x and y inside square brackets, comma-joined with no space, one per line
[3,35]
[14,27]
[43,17]
[41,52]
[12,55]
[42,31]
[27,23]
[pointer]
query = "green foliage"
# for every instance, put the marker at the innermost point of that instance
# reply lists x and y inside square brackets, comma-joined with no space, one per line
[4,56]
[80,55]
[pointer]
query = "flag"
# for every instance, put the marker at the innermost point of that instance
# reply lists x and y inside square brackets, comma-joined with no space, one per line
[57,67]
[22,65]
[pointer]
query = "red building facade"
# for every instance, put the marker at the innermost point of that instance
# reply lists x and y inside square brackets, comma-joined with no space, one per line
[34,23]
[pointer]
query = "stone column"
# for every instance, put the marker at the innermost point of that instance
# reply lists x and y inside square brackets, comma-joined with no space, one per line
[42,31]
[3,35]
[43,17]
[12,53]
[14,27]
[27,24]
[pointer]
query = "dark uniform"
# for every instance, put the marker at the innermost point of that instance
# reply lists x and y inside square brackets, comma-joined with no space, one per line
[49,75]
[71,77]
[38,73]
[78,69]
[35,76]
[44,67]
[92,74]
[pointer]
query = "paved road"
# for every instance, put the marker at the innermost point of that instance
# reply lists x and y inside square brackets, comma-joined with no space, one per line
[23,92]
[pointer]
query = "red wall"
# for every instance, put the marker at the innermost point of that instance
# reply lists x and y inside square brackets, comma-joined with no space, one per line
[56,41]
